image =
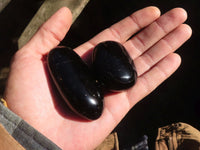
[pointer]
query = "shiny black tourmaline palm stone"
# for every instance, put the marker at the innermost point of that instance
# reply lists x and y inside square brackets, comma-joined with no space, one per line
[75,82]
[113,66]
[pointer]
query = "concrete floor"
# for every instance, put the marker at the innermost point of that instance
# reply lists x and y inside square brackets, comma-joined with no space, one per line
[177,99]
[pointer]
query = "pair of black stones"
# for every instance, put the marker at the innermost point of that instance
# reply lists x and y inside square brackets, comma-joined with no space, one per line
[82,87]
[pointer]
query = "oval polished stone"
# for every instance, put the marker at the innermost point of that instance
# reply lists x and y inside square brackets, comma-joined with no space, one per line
[75,82]
[113,66]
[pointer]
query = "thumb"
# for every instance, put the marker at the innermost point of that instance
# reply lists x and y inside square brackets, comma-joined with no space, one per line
[50,33]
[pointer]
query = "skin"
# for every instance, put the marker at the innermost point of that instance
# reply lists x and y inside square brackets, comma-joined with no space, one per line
[31,94]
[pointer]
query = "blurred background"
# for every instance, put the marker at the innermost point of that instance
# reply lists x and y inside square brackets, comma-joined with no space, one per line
[176,100]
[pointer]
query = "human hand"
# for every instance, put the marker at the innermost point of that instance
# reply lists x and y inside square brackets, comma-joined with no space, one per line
[30,93]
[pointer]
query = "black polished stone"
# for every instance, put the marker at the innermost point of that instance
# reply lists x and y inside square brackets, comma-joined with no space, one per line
[75,82]
[113,66]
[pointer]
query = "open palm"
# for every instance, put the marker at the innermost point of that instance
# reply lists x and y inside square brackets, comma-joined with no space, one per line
[31,94]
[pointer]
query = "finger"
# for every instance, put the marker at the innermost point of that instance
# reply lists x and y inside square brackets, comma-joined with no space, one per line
[124,29]
[50,33]
[155,76]
[154,32]
[123,101]
[165,46]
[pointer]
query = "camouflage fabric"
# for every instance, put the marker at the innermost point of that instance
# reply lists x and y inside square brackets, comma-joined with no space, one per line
[178,136]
